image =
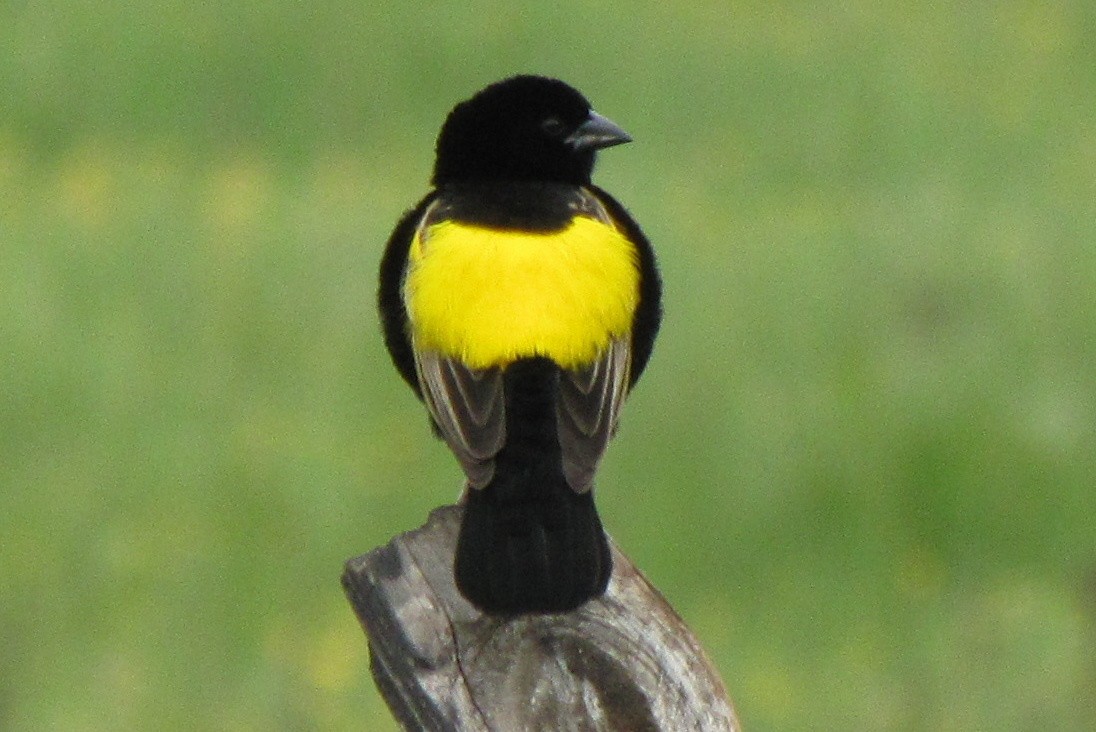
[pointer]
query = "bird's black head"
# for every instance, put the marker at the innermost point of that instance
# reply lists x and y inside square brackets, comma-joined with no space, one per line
[523,128]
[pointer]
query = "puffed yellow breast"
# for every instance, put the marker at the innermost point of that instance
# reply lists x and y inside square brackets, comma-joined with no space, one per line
[489,296]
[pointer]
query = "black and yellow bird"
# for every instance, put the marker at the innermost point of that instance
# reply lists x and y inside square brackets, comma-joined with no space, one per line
[521,303]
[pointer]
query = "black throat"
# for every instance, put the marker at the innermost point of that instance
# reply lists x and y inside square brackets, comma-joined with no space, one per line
[524,205]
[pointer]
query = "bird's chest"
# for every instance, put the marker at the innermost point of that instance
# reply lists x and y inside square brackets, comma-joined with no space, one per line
[491,296]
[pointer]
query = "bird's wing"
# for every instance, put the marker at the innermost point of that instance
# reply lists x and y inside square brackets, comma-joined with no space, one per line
[390,304]
[587,411]
[469,408]
[648,315]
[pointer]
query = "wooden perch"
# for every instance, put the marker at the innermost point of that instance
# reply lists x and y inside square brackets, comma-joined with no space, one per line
[625,661]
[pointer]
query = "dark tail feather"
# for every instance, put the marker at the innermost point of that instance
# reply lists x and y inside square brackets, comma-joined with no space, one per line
[540,556]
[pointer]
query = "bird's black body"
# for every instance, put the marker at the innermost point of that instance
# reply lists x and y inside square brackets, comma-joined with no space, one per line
[528,541]
[529,433]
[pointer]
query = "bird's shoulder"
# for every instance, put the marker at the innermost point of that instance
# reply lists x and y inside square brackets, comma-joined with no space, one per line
[515,205]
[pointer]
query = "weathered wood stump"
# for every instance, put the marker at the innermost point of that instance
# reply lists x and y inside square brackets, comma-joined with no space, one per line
[625,661]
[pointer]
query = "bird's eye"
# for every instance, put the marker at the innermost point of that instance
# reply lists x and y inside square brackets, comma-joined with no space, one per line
[553,126]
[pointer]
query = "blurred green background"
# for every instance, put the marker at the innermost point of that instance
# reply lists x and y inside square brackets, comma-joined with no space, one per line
[861,462]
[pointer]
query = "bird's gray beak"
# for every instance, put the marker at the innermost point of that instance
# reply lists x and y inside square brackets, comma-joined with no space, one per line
[596,133]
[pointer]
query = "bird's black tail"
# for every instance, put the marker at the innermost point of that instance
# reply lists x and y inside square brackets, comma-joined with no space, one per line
[528,542]
[546,555]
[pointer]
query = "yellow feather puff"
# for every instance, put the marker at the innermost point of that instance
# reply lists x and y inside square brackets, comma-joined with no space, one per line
[490,296]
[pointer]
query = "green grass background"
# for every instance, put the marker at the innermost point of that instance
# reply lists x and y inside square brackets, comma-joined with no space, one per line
[861,464]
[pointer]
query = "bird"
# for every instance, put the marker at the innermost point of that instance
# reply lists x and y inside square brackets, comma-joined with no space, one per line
[520,302]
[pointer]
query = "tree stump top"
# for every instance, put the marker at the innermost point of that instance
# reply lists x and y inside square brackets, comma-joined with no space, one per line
[625,661]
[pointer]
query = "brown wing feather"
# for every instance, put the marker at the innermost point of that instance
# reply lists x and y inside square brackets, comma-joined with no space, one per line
[469,408]
[587,411]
